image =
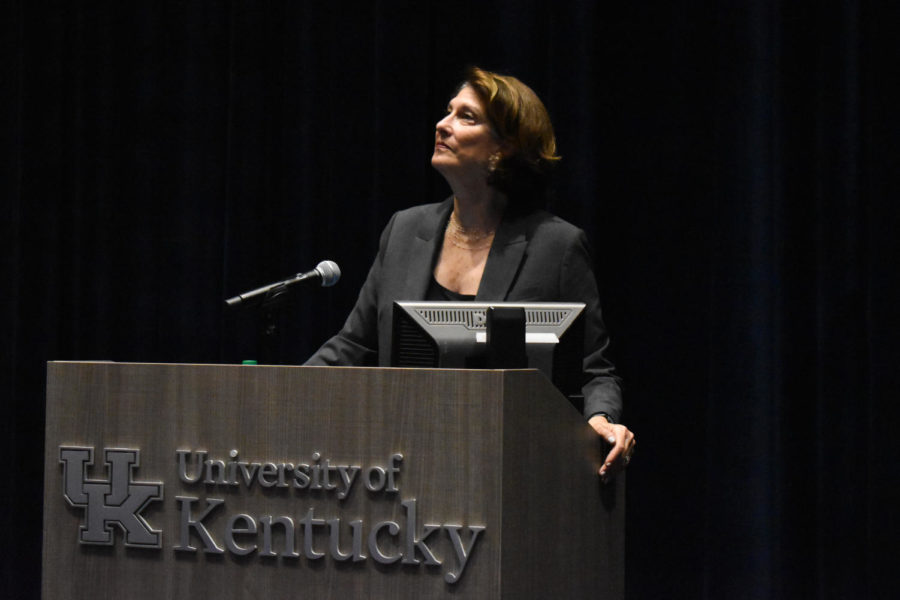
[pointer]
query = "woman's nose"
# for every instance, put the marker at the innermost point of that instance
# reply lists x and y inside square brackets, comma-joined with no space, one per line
[443,126]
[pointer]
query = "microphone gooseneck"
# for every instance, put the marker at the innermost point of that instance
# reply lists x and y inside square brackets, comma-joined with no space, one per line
[327,273]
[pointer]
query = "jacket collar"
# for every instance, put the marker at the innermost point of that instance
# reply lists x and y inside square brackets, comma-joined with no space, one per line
[429,237]
[503,261]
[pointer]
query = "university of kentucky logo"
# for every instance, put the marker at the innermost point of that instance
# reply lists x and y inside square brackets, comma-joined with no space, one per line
[116,501]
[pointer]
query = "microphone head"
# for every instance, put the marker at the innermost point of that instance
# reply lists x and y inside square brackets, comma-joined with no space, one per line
[329,271]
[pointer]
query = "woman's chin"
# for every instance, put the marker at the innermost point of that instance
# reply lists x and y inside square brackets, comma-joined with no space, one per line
[441,162]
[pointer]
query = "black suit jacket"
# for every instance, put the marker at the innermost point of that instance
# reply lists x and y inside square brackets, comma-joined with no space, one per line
[534,258]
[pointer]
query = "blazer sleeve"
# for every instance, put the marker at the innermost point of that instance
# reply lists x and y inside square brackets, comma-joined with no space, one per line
[356,344]
[602,388]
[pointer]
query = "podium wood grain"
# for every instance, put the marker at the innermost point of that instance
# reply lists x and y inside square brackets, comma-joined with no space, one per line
[499,449]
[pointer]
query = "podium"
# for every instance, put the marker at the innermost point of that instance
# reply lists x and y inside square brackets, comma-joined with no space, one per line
[219,481]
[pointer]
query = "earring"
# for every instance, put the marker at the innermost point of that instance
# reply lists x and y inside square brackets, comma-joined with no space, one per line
[493,161]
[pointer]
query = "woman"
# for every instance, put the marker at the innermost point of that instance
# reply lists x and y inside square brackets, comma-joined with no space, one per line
[488,242]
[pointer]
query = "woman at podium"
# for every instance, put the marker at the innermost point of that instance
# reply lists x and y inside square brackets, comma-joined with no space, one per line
[490,241]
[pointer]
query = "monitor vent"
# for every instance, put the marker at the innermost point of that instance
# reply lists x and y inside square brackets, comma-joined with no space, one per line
[545,316]
[414,348]
[475,318]
[470,319]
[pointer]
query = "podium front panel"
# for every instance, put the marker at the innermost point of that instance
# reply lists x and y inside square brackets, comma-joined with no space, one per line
[195,481]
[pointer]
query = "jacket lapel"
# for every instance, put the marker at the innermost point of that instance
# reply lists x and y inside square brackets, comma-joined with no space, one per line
[503,262]
[422,251]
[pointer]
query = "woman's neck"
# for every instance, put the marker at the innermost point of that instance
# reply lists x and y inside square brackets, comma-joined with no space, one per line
[481,211]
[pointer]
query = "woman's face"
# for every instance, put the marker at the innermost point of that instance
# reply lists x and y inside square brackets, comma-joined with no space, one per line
[464,140]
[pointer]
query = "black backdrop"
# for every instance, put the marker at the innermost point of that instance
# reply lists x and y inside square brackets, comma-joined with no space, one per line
[732,162]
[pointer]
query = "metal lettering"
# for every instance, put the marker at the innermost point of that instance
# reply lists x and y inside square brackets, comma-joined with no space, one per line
[393,470]
[231,529]
[409,557]
[199,457]
[316,470]
[288,523]
[209,545]
[375,551]
[266,471]
[117,501]
[308,522]
[462,552]
[301,477]
[215,466]
[334,540]
[283,469]
[196,467]
[248,472]
[379,485]
[348,476]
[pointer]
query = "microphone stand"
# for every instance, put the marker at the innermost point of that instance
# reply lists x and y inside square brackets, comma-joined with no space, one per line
[272,299]
[270,332]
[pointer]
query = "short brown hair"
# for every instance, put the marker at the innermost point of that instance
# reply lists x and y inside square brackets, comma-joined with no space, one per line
[519,118]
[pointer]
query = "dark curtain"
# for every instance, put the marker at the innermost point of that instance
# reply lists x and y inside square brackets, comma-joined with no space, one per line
[733,163]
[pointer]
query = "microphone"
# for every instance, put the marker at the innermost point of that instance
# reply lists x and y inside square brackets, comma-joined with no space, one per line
[326,272]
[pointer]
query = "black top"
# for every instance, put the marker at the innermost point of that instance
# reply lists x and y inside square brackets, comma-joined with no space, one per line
[438,293]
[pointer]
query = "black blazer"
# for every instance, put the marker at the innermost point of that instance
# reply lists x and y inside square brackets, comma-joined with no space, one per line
[534,258]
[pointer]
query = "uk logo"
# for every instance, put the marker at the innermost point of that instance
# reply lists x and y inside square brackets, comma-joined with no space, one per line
[118,501]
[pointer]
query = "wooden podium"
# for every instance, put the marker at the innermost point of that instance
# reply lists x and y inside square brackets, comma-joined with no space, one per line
[215,481]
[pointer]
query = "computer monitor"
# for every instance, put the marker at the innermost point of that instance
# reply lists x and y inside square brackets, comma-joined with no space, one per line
[454,335]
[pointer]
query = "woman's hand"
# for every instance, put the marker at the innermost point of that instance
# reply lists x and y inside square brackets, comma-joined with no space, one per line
[622,442]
